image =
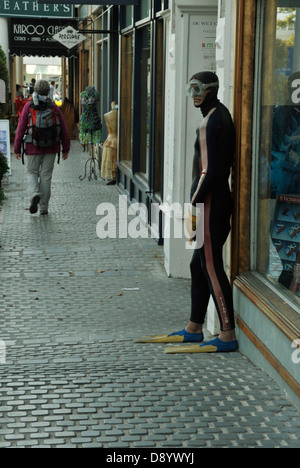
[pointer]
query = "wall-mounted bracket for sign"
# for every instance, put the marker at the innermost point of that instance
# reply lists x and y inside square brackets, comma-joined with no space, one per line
[2,92]
[98,31]
[70,37]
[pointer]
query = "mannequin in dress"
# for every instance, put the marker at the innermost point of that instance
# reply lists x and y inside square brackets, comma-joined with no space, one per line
[91,125]
[109,156]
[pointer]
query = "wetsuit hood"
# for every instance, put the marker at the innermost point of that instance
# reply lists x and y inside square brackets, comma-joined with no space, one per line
[211,99]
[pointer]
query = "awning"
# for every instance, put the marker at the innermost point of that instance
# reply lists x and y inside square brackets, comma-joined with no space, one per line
[34,37]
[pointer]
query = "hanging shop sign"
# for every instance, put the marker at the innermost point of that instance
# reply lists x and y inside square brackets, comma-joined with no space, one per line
[36,37]
[69,37]
[96,2]
[32,8]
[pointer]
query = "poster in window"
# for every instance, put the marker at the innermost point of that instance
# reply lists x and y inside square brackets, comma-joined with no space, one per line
[285,252]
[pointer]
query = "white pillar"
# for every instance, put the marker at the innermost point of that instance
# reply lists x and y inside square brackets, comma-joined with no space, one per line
[190,50]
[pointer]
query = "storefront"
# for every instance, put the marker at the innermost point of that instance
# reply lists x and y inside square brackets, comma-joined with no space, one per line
[98,55]
[28,30]
[140,171]
[266,240]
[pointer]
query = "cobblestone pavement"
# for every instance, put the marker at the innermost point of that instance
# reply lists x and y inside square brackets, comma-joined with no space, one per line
[73,375]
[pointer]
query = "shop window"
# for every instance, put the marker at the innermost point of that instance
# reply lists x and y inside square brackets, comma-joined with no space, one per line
[144,42]
[278,181]
[127,16]
[161,5]
[159,95]
[126,99]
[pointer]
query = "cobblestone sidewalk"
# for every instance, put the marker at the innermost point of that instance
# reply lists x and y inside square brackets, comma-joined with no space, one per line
[71,305]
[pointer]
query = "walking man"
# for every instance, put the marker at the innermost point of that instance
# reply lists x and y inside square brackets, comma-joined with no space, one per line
[44,126]
[214,157]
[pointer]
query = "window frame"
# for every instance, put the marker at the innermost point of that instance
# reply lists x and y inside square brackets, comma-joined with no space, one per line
[257,116]
[244,277]
[145,180]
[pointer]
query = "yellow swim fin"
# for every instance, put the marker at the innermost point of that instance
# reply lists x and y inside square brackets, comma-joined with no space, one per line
[178,337]
[213,346]
[191,349]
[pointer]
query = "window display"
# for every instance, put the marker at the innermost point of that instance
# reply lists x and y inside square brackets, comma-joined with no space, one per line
[278,253]
[127,99]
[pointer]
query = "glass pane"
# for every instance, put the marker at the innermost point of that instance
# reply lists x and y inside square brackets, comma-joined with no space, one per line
[158,154]
[144,9]
[128,16]
[279,167]
[126,99]
[145,93]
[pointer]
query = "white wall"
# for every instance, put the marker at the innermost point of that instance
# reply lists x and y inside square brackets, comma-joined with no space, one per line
[185,56]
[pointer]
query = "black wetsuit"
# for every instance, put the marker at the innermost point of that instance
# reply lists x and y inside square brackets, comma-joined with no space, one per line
[214,157]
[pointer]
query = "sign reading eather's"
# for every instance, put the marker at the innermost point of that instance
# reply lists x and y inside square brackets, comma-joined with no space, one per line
[32,8]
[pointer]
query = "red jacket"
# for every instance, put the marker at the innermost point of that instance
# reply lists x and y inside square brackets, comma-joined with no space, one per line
[30,148]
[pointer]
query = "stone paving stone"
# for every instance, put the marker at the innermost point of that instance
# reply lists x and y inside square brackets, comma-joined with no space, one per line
[74,377]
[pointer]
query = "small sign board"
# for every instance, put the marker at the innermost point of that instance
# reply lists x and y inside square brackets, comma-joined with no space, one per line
[69,37]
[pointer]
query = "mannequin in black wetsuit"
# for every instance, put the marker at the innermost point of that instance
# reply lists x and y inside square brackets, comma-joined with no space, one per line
[214,156]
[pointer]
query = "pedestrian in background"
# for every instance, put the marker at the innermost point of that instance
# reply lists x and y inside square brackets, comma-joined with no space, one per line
[52,91]
[41,154]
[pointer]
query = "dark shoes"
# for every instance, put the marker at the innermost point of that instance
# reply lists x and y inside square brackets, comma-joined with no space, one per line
[34,204]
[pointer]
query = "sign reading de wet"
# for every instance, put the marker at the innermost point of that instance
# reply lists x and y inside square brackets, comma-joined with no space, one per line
[31,8]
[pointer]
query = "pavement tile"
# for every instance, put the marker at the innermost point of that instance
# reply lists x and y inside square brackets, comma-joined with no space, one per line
[71,306]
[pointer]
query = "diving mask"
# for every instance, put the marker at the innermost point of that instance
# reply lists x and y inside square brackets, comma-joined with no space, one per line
[196,88]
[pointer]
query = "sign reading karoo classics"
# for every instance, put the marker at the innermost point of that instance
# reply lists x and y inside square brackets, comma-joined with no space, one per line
[31,8]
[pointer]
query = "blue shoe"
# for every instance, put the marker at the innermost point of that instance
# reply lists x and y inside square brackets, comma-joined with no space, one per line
[213,346]
[178,337]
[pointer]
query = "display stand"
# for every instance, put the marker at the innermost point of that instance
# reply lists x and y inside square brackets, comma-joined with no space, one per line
[91,162]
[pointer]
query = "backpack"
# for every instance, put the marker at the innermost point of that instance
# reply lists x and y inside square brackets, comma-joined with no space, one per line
[43,129]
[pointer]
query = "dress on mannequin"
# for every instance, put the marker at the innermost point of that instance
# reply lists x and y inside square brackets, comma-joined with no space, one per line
[91,126]
[109,156]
